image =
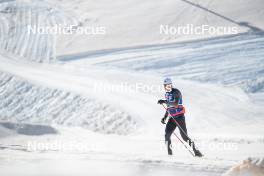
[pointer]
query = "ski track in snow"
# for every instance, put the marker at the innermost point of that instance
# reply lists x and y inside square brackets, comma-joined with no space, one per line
[17,38]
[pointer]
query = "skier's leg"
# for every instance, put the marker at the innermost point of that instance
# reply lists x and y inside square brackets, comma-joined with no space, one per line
[184,135]
[183,130]
[170,127]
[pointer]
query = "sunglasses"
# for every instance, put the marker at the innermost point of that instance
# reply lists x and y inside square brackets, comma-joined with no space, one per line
[167,86]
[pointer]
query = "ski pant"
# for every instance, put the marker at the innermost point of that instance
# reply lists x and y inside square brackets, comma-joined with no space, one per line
[171,126]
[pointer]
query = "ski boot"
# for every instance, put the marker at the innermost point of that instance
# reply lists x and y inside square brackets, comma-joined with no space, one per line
[169,148]
[197,153]
[169,151]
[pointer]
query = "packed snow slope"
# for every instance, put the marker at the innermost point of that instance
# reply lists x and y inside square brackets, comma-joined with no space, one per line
[125,23]
[136,22]
[235,60]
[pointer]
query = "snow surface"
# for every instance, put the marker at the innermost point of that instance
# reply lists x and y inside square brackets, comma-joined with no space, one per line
[125,22]
[88,105]
[133,22]
[207,115]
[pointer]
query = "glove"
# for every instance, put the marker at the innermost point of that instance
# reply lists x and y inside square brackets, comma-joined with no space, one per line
[162,101]
[163,120]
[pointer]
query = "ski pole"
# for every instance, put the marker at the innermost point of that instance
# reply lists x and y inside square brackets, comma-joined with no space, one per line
[177,135]
[184,144]
[178,125]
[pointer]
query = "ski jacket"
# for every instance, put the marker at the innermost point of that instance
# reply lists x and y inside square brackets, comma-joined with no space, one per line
[172,97]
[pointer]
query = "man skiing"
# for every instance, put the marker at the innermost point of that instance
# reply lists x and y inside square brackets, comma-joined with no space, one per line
[175,109]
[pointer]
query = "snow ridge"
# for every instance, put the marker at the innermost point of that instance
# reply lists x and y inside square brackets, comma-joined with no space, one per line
[16,36]
[27,103]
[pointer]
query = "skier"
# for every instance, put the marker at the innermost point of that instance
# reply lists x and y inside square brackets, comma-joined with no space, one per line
[175,110]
